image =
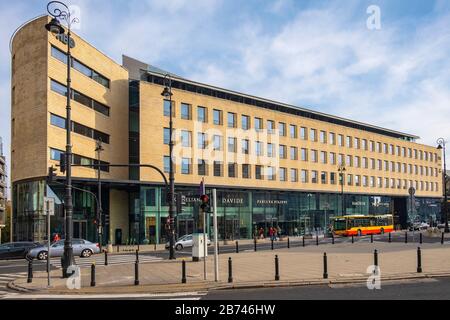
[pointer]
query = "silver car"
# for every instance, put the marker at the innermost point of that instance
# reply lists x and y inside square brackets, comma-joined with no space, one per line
[82,248]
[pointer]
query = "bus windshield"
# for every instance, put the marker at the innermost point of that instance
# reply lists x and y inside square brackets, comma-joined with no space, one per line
[339,224]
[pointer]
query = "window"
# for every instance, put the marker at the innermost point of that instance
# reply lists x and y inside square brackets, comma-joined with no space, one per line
[166,164]
[293,131]
[58,121]
[258,124]
[293,153]
[202,168]
[186,138]
[79,129]
[231,120]
[270,150]
[385,148]
[380,165]
[332,138]
[314,176]
[202,114]
[391,149]
[232,170]
[245,146]
[379,147]
[386,165]
[372,146]
[270,126]
[202,141]
[293,174]
[348,161]
[364,144]
[372,164]
[217,142]
[246,171]
[56,154]
[365,163]
[82,68]
[232,145]
[282,151]
[349,142]
[403,152]
[332,177]
[83,130]
[357,162]
[304,176]
[323,137]
[186,166]
[167,108]
[409,153]
[218,169]
[258,172]
[259,148]
[323,157]
[59,88]
[304,154]
[217,117]
[313,135]
[349,179]
[341,159]
[314,156]
[304,133]
[364,181]
[271,173]
[282,174]
[245,122]
[357,180]
[356,143]
[58,54]
[323,177]
[340,140]
[282,129]
[379,182]
[332,158]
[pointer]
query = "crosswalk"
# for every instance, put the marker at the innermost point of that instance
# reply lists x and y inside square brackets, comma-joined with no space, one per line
[112,260]
[5,279]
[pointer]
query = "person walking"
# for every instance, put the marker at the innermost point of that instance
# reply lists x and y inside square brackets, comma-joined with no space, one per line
[271,233]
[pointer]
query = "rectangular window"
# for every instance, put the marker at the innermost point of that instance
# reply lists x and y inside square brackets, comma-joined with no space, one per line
[186,138]
[202,167]
[245,122]
[246,171]
[323,137]
[270,150]
[58,88]
[313,135]
[341,159]
[245,146]
[314,156]
[304,176]
[357,180]
[202,141]
[282,129]
[58,54]
[218,169]
[282,151]
[270,126]
[166,164]
[217,117]
[340,140]
[364,144]
[259,148]
[58,121]
[332,177]
[258,172]
[271,173]
[294,175]
[231,120]
[202,114]
[167,108]
[304,154]
[282,174]
[232,147]
[186,166]
[314,176]
[349,142]
[304,133]
[258,124]
[185,111]
[357,162]
[379,147]
[293,153]
[323,157]
[217,142]
[232,170]
[166,136]
[332,138]
[293,131]
[348,161]
[323,177]
[356,141]
[372,146]
[79,129]
[332,158]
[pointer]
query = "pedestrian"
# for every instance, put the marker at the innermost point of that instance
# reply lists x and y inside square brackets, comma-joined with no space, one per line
[295,232]
[278,231]
[271,233]
[56,237]
[261,233]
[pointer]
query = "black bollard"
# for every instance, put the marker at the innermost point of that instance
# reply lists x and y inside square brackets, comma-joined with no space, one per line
[332,238]
[183,271]
[255,243]
[136,273]
[288,244]
[230,270]
[277,269]
[390,240]
[106,258]
[137,255]
[442,238]
[118,249]
[303,240]
[420,238]
[30,271]
[317,239]
[93,275]
[371,238]
[375,257]
[419,260]
[406,237]
[272,244]
[325,266]
[353,239]
[237,247]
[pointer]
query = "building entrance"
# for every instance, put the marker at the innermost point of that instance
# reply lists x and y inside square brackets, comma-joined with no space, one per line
[80,229]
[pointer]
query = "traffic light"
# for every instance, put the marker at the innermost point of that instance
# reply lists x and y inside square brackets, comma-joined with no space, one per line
[62,163]
[180,201]
[205,203]
[51,174]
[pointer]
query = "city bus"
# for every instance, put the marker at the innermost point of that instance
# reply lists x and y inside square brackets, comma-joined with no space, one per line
[358,225]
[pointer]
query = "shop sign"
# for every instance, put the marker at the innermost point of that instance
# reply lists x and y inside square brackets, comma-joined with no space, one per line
[271,202]
[358,203]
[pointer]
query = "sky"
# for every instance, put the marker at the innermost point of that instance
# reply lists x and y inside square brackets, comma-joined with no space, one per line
[335,57]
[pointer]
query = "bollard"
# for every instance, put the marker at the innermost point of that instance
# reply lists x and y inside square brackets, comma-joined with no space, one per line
[255,243]
[390,240]
[30,271]
[371,238]
[325,266]
[317,239]
[230,270]
[277,269]
[118,249]
[154,247]
[183,271]
[332,238]
[303,240]
[237,247]
[420,238]
[93,275]
[137,256]
[136,273]
[442,238]
[288,244]
[419,260]
[375,257]
[406,237]
[106,258]
[353,239]
[272,244]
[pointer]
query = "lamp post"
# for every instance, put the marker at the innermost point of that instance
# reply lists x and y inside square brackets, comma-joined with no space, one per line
[167,94]
[441,146]
[99,149]
[60,11]
[341,170]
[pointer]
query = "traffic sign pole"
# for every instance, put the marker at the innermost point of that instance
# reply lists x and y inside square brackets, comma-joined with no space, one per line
[50,211]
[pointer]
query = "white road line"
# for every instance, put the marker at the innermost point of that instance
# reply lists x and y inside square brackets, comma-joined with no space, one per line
[172,296]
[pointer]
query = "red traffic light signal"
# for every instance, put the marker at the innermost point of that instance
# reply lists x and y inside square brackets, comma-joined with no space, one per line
[204,198]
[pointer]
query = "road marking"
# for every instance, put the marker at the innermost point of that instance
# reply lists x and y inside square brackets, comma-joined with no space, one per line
[162,296]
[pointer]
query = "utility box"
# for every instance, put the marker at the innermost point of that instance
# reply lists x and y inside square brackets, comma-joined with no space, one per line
[198,246]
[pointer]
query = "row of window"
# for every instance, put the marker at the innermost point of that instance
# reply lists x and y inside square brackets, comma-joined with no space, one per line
[303,154]
[81,67]
[80,98]
[295,132]
[306,176]
[56,155]
[79,128]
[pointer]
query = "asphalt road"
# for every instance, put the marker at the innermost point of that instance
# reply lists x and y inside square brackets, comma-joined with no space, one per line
[427,289]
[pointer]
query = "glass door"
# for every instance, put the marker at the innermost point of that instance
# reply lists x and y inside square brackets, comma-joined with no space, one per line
[80,229]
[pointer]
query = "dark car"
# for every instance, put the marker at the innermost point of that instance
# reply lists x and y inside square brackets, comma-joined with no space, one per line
[16,250]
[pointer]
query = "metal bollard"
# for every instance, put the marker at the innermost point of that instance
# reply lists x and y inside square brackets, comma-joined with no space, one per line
[406,237]
[420,238]
[183,271]
[272,244]
[277,269]
[390,240]
[30,271]
[371,238]
[230,270]
[375,257]
[332,238]
[288,244]
[419,260]
[136,273]
[303,240]
[442,238]
[106,258]
[255,243]
[118,249]
[325,266]
[93,275]
[137,255]
[317,239]
[237,247]
[353,239]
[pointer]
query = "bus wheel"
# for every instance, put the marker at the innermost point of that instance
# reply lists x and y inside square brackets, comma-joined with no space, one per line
[359,233]
[382,231]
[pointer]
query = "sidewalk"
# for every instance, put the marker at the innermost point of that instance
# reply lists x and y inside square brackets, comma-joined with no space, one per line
[346,263]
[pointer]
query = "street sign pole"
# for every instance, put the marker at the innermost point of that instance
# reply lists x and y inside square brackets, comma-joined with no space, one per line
[216,256]
[204,245]
[50,211]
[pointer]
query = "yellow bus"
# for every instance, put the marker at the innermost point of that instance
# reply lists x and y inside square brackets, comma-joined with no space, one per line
[359,225]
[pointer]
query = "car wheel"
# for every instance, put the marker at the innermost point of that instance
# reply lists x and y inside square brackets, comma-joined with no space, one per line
[179,247]
[382,231]
[359,233]
[86,253]
[42,255]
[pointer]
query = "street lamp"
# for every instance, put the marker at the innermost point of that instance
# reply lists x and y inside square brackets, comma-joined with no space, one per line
[60,11]
[99,149]
[441,146]
[167,94]
[341,170]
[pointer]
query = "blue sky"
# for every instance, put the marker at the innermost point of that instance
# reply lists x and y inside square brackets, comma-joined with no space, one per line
[315,54]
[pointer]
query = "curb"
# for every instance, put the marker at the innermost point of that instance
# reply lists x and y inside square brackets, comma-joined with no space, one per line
[12,286]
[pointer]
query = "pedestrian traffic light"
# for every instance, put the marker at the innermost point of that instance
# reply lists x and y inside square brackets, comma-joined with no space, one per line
[51,174]
[205,203]
[62,163]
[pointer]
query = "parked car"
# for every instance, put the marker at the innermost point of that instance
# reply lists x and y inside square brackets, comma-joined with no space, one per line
[417,226]
[16,250]
[184,242]
[82,248]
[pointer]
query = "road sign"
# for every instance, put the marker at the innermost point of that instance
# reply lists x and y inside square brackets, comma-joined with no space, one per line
[49,206]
